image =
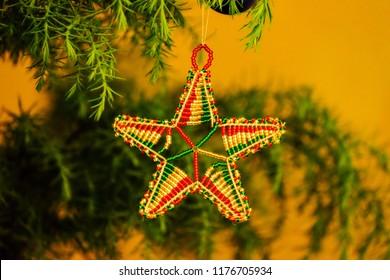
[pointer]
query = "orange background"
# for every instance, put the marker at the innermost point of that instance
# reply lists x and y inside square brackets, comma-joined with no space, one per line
[340,48]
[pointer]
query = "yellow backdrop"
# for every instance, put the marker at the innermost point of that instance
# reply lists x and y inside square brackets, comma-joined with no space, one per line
[340,48]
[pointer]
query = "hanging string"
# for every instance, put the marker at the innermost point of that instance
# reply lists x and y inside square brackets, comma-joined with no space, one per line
[204,24]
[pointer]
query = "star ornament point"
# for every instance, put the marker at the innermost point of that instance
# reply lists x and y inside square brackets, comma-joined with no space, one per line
[221,183]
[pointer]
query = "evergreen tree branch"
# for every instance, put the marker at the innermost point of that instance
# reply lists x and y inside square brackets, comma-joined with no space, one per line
[76,39]
[257,18]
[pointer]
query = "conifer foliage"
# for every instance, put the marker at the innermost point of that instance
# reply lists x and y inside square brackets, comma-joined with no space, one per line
[76,39]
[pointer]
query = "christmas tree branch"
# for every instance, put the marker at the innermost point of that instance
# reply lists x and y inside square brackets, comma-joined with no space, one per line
[76,39]
[257,18]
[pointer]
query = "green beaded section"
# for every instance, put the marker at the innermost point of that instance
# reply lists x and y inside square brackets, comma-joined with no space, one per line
[205,107]
[207,137]
[168,169]
[148,143]
[241,147]
[226,175]
[189,151]
[182,154]
[219,164]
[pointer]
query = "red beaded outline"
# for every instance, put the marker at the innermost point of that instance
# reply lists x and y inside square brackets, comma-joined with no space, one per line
[195,53]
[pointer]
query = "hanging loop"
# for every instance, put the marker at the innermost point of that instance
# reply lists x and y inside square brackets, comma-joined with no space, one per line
[195,54]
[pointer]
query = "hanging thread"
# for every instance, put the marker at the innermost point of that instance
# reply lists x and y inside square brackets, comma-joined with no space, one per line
[205,24]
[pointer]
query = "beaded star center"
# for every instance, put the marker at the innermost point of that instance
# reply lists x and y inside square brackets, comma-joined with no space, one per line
[221,183]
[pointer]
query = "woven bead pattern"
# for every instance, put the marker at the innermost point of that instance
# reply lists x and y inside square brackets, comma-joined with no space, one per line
[221,183]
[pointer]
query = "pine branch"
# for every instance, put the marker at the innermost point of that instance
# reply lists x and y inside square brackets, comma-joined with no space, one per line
[76,39]
[258,16]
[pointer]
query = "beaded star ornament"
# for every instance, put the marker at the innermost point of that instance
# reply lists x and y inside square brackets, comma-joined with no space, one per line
[221,183]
